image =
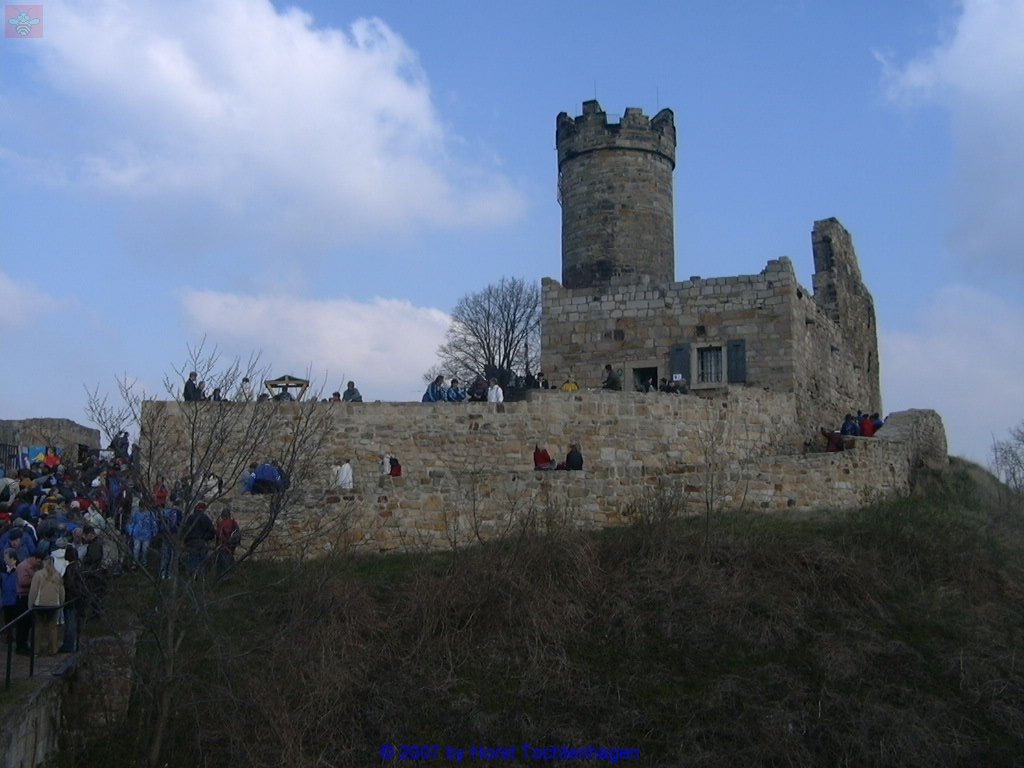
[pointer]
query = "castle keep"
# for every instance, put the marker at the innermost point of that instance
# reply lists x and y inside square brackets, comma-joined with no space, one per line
[618,302]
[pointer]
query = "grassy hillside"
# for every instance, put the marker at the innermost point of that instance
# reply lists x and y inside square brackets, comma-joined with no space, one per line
[888,637]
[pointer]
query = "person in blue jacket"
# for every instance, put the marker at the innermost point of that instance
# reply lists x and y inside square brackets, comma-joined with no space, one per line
[455,393]
[9,586]
[435,391]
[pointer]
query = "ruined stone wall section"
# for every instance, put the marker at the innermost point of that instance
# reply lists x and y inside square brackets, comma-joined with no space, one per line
[615,189]
[840,292]
[467,469]
[923,430]
[437,509]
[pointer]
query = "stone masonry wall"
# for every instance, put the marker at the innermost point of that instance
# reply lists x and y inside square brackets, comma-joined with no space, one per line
[62,433]
[468,468]
[615,189]
[792,345]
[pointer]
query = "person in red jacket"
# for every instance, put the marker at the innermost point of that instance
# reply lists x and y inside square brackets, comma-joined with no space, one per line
[228,534]
[867,426]
[542,459]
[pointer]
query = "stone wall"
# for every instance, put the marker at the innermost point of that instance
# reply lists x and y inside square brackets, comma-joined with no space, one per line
[790,343]
[467,468]
[62,433]
[32,731]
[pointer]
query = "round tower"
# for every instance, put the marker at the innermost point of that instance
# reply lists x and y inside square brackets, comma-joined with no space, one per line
[615,188]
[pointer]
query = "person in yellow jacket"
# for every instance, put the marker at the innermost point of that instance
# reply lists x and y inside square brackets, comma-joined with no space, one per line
[571,385]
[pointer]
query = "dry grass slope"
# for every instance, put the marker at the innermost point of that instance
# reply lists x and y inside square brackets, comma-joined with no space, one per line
[885,637]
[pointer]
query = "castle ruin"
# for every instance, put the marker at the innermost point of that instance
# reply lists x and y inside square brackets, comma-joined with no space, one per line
[768,363]
[618,302]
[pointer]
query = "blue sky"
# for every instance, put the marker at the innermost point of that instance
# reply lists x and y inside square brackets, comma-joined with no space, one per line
[321,181]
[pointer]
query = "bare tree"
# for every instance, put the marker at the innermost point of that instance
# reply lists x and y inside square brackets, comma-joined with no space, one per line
[715,480]
[495,332]
[1008,459]
[195,444]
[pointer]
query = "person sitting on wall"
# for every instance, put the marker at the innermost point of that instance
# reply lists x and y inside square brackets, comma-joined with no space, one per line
[570,384]
[867,426]
[612,380]
[351,394]
[850,427]
[495,393]
[435,391]
[878,421]
[478,390]
[396,468]
[266,478]
[341,476]
[542,459]
[573,459]
[455,393]
[833,440]
[336,397]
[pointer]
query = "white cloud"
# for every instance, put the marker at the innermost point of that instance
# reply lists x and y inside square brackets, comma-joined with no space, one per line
[977,73]
[385,346]
[261,115]
[24,304]
[960,358]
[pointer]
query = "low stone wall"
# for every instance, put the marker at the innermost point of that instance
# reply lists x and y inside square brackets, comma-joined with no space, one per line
[429,509]
[31,732]
[468,468]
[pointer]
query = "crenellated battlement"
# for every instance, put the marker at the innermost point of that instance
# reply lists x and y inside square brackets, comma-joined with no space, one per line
[591,132]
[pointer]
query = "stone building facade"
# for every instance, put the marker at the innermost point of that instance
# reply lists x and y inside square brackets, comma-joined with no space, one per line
[618,303]
[75,439]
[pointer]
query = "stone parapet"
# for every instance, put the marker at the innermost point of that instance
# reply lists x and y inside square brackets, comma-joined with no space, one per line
[468,477]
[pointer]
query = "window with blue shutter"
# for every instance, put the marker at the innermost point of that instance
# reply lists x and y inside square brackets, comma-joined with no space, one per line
[736,365]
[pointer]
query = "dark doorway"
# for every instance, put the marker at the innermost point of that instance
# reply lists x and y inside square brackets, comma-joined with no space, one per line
[645,379]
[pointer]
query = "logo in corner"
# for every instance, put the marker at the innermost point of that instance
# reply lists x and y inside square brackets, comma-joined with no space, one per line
[23,21]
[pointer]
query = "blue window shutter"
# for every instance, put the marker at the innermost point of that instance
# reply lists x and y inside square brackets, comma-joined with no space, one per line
[737,361]
[679,361]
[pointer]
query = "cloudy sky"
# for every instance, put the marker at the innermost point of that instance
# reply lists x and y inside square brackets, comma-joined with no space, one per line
[321,181]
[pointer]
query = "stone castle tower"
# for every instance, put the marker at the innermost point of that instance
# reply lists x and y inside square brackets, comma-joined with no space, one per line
[615,188]
[619,304]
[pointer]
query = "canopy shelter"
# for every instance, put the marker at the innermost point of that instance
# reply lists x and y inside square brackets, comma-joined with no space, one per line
[281,387]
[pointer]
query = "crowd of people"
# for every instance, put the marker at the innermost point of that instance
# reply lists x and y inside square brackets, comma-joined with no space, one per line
[479,391]
[861,425]
[66,528]
[542,460]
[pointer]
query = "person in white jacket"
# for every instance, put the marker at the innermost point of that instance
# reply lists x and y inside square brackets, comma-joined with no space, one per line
[341,476]
[494,393]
